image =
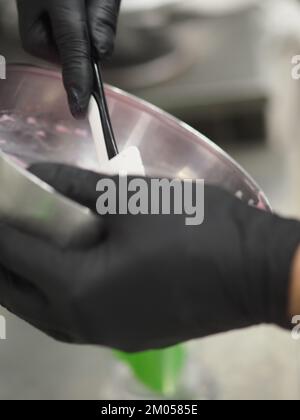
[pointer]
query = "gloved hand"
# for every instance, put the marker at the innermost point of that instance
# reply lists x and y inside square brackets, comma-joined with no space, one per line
[151,281]
[68,31]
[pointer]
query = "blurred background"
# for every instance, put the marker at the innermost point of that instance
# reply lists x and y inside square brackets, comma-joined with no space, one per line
[224,67]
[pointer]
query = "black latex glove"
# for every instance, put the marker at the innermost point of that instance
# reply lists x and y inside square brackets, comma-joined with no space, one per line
[67,31]
[151,281]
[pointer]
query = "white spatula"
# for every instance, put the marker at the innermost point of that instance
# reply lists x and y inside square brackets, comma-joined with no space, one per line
[112,162]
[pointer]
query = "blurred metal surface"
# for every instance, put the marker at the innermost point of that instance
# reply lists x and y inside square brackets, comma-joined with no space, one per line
[136,6]
[33,206]
[203,62]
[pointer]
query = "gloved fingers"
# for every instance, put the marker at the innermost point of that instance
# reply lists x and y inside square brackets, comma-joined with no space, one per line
[27,302]
[36,34]
[52,270]
[35,260]
[103,17]
[77,184]
[39,41]
[27,16]
[71,34]
[20,296]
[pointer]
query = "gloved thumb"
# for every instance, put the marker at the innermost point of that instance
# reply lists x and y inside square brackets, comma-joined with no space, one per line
[77,184]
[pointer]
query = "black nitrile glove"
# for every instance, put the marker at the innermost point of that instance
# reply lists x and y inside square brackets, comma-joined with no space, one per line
[151,281]
[67,31]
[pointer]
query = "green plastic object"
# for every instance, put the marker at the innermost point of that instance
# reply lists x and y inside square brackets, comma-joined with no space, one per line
[158,370]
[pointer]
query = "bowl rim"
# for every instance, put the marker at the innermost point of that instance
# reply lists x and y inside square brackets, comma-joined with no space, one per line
[165,117]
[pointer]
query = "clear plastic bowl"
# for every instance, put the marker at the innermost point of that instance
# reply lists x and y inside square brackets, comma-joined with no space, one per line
[35,125]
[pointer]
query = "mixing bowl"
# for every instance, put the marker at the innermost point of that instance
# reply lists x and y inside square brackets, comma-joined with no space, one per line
[36,125]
